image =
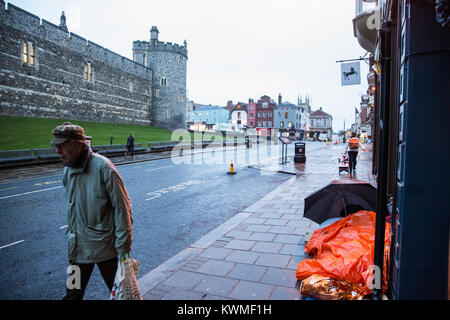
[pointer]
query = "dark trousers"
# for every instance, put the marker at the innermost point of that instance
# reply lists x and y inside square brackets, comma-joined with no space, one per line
[352,160]
[130,150]
[108,270]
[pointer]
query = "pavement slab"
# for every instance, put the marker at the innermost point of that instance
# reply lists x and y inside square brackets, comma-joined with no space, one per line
[254,256]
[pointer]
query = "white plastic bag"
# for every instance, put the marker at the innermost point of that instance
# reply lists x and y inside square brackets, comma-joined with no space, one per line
[126,286]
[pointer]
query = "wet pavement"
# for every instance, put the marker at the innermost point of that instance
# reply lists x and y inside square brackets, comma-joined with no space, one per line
[254,255]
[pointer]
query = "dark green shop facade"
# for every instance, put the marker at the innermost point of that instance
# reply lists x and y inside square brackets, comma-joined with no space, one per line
[411,144]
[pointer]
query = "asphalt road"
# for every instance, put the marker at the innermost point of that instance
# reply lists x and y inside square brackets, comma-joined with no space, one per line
[175,202]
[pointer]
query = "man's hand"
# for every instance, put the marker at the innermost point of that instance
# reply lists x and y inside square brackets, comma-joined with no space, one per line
[124,256]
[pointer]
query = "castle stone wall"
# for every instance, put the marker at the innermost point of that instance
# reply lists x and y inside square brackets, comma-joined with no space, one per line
[120,90]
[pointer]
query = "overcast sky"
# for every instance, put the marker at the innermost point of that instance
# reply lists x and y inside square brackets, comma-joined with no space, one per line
[237,49]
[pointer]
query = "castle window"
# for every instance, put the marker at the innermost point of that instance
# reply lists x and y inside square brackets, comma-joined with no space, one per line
[32,54]
[168,113]
[28,53]
[88,71]
[163,81]
[157,93]
[180,98]
[25,52]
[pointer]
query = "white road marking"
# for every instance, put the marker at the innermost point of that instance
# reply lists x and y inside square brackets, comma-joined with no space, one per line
[63,227]
[47,182]
[158,168]
[11,244]
[8,188]
[178,187]
[21,194]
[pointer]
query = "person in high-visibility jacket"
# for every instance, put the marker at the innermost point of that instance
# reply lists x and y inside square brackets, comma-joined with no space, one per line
[353,146]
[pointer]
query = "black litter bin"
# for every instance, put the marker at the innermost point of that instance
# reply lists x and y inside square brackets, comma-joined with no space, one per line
[299,156]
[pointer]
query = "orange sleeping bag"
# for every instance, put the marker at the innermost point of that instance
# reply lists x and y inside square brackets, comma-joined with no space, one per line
[344,250]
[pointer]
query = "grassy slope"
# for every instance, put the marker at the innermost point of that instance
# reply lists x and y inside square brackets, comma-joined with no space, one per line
[26,133]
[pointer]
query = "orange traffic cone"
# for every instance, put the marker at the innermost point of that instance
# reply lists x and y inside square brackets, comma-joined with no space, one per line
[231,171]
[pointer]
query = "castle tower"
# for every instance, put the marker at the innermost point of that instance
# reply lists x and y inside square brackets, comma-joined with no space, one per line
[168,63]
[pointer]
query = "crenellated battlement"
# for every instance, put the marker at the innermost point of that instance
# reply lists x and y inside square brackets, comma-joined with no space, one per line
[22,20]
[119,89]
[160,46]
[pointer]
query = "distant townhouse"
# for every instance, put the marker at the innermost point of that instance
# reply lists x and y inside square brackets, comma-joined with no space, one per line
[287,119]
[264,116]
[251,117]
[320,122]
[238,115]
[207,117]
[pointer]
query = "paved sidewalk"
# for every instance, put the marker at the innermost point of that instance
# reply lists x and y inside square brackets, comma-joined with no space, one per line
[254,255]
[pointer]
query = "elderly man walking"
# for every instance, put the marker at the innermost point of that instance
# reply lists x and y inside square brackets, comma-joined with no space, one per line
[99,215]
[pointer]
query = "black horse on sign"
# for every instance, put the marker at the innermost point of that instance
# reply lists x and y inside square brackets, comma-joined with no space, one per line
[350,73]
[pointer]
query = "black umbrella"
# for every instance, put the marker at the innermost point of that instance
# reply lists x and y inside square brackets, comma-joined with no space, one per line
[339,199]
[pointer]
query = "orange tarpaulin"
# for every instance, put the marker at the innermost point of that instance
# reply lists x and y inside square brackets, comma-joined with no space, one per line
[344,250]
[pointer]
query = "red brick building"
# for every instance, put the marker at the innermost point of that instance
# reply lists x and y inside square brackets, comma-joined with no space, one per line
[251,112]
[264,116]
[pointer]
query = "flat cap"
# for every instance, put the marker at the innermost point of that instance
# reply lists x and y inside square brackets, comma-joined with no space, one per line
[67,131]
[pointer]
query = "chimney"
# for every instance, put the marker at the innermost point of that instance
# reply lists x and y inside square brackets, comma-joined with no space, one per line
[279,98]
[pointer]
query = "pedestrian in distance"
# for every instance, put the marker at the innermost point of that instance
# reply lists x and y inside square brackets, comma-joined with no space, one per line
[99,215]
[130,146]
[353,146]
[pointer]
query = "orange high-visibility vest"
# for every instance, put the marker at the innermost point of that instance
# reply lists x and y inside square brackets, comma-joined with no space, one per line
[353,143]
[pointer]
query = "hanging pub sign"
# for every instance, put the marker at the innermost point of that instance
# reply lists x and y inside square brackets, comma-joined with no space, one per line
[350,73]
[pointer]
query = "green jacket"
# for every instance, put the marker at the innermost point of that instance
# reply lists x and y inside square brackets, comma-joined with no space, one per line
[99,216]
